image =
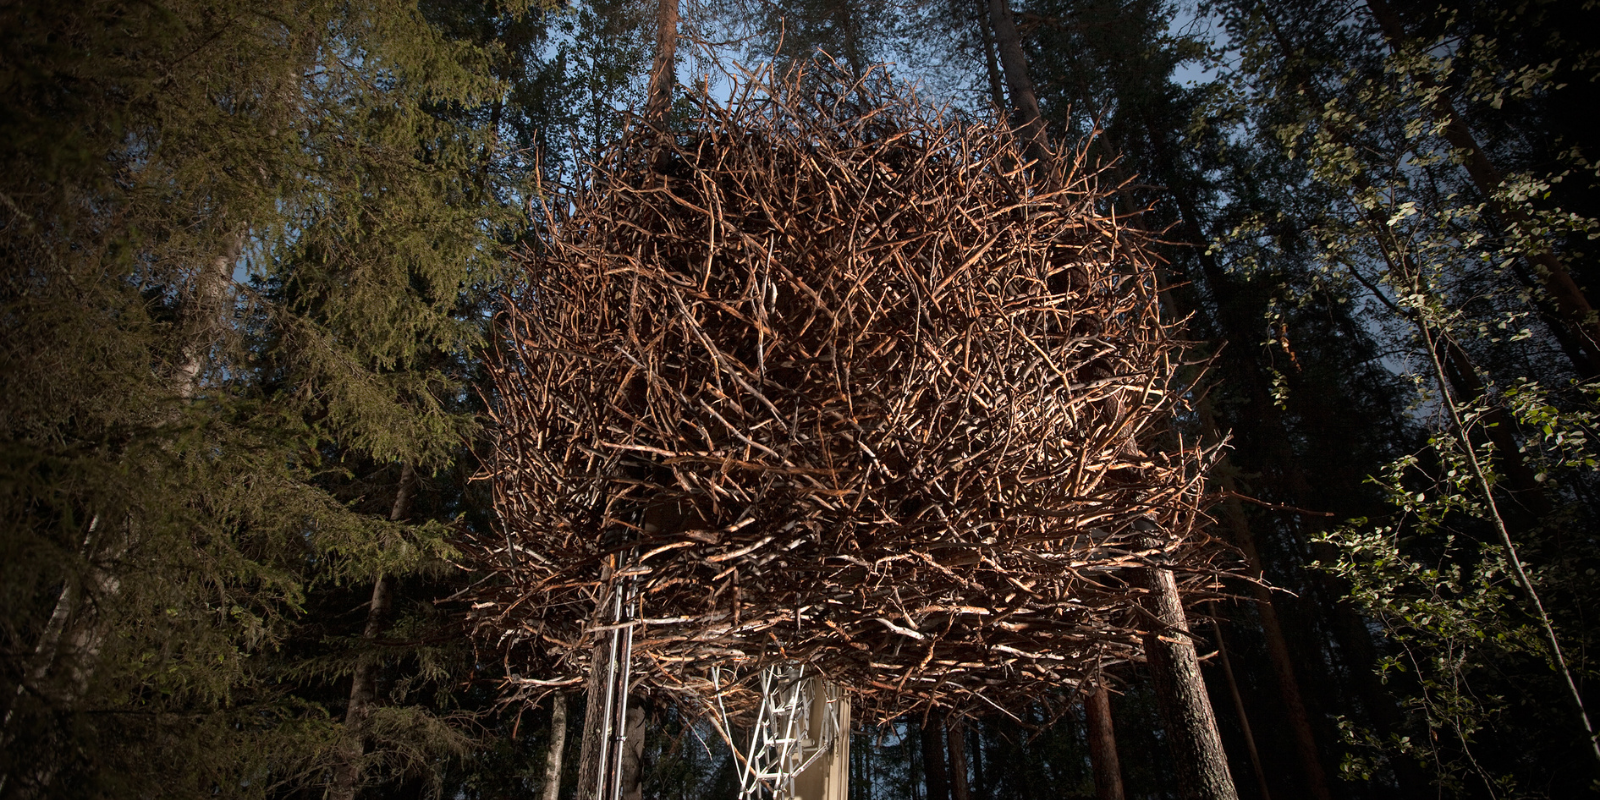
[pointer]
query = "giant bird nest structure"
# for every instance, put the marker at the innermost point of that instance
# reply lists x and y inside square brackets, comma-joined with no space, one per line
[840,380]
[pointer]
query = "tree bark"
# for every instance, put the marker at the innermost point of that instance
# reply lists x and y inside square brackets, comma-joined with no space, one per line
[633,755]
[934,774]
[1191,725]
[594,721]
[558,745]
[956,746]
[364,680]
[1530,503]
[1014,64]
[997,93]
[1102,745]
[1316,782]
[1569,298]
[663,70]
[203,312]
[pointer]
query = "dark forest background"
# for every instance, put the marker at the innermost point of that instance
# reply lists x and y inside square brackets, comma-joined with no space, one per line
[251,254]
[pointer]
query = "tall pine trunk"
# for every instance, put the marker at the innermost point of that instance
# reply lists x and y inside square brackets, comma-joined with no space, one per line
[1244,718]
[997,93]
[956,746]
[594,719]
[934,775]
[1294,707]
[1014,64]
[1191,725]
[1103,745]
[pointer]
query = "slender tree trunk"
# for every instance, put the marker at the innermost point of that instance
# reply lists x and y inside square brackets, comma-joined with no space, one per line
[1181,693]
[1014,64]
[1294,708]
[558,745]
[1316,782]
[1528,499]
[206,306]
[633,755]
[997,93]
[956,745]
[1102,745]
[976,754]
[1569,298]
[934,774]
[364,680]
[1244,718]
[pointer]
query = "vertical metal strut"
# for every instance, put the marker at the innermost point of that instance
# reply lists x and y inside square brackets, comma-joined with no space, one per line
[620,650]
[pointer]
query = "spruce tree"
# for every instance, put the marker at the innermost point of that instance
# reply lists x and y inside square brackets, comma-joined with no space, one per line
[244,254]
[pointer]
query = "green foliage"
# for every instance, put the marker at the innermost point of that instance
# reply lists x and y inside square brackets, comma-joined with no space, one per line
[1451,275]
[246,250]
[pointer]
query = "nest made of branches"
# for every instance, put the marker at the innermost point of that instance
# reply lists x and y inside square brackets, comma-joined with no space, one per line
[843,380]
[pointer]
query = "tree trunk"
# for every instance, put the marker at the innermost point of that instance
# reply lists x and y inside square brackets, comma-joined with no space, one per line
[1181,693]
[934,774]
[632,759]
[1244,718]
[956,745]
[1569,298]
[558,744]
[1014,64]
[1316,783]
[594,721]
[1529,501]
[976,754]
[1102,745]
[1294,707]
[202,317]
[997,93]
[364,680]
[663,70]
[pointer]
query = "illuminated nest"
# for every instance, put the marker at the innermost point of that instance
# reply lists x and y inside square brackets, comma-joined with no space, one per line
[837,381]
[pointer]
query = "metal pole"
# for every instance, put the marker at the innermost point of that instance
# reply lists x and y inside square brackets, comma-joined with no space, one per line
[603,784]
[621,664]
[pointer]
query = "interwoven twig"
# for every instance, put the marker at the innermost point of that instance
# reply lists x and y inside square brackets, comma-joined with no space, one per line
[839,381]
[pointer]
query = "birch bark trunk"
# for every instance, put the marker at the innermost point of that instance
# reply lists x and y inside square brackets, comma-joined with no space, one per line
[558,744]
[72,638]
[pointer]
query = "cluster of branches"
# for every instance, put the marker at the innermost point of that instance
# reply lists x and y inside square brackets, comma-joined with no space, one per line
[837,379]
